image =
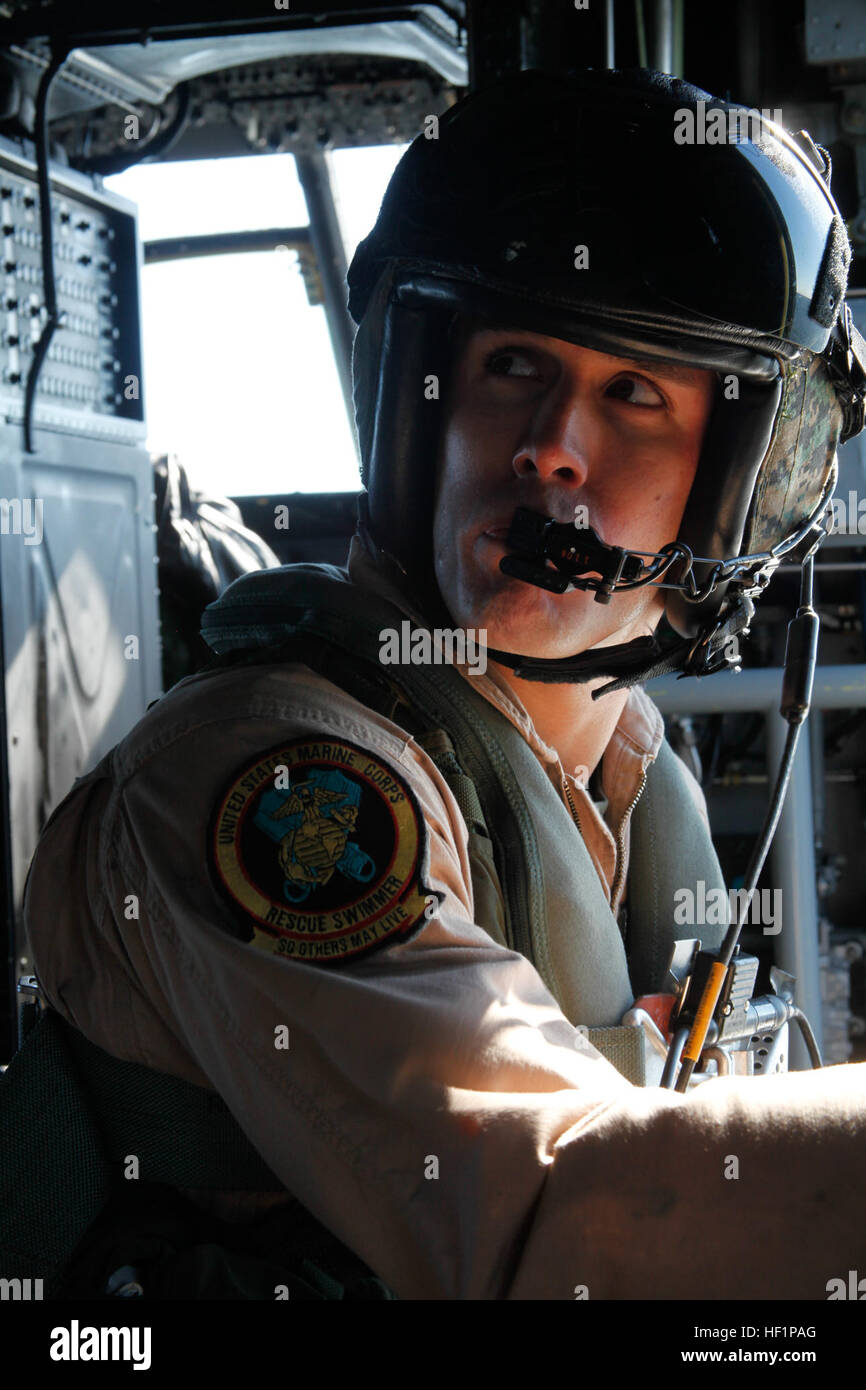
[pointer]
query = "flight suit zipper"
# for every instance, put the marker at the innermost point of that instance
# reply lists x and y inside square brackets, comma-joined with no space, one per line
[575,816]
[620,838]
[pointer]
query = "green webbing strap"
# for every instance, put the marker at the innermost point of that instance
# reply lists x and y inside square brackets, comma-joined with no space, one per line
[69,1116]
[438,746]
[625,1048]
[661,874]
[373,688]
[622,1046]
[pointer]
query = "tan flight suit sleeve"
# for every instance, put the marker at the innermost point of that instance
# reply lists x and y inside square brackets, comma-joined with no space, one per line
[434,1108]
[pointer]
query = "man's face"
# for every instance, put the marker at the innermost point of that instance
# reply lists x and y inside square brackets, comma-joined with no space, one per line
[537,422]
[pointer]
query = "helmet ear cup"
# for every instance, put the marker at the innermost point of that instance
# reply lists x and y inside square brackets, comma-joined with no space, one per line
[736,443]
[802,459]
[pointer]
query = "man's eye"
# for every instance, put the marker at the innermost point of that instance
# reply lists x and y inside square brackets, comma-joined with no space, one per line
[635,391]
[507,362]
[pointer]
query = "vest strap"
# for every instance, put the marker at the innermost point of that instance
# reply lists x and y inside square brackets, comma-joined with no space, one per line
[438,746]
[625,1048]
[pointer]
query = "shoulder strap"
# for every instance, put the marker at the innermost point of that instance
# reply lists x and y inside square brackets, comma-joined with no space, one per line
[666,818]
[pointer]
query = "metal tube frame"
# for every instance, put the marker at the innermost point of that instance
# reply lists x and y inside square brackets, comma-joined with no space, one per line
[836,687]
[315,178]
[664,36]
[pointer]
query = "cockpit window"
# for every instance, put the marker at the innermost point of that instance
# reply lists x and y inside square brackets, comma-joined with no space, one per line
[240,379]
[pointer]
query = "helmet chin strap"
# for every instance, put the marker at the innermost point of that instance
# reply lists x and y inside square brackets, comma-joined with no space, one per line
[628,662]
[537,542]
[555,556]
[641,659]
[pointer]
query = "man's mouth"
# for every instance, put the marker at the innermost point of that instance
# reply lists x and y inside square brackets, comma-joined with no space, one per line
[498,530]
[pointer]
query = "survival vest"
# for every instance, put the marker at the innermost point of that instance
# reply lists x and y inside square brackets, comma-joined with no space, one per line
[535,887]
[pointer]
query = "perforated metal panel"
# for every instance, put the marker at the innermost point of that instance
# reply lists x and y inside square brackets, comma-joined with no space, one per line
[77,545]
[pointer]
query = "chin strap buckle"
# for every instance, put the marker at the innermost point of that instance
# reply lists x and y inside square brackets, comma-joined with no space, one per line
[572,551]
[718,648]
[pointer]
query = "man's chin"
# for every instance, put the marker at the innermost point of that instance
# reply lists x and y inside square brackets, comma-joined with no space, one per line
[538,629]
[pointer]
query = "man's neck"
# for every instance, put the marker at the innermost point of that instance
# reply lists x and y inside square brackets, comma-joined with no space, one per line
[567,718]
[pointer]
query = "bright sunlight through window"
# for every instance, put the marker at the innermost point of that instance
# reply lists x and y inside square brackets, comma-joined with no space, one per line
[239,376]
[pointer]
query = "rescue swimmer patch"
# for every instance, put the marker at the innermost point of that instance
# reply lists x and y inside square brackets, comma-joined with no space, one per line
[321,845]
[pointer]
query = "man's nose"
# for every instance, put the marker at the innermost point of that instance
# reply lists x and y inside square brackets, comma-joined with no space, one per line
[560,437]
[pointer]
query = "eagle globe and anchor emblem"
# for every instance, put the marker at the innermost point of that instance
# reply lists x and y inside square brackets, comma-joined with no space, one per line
[312,822]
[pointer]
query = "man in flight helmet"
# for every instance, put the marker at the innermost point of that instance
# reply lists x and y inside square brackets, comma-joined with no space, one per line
[573,209]
[569,317]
